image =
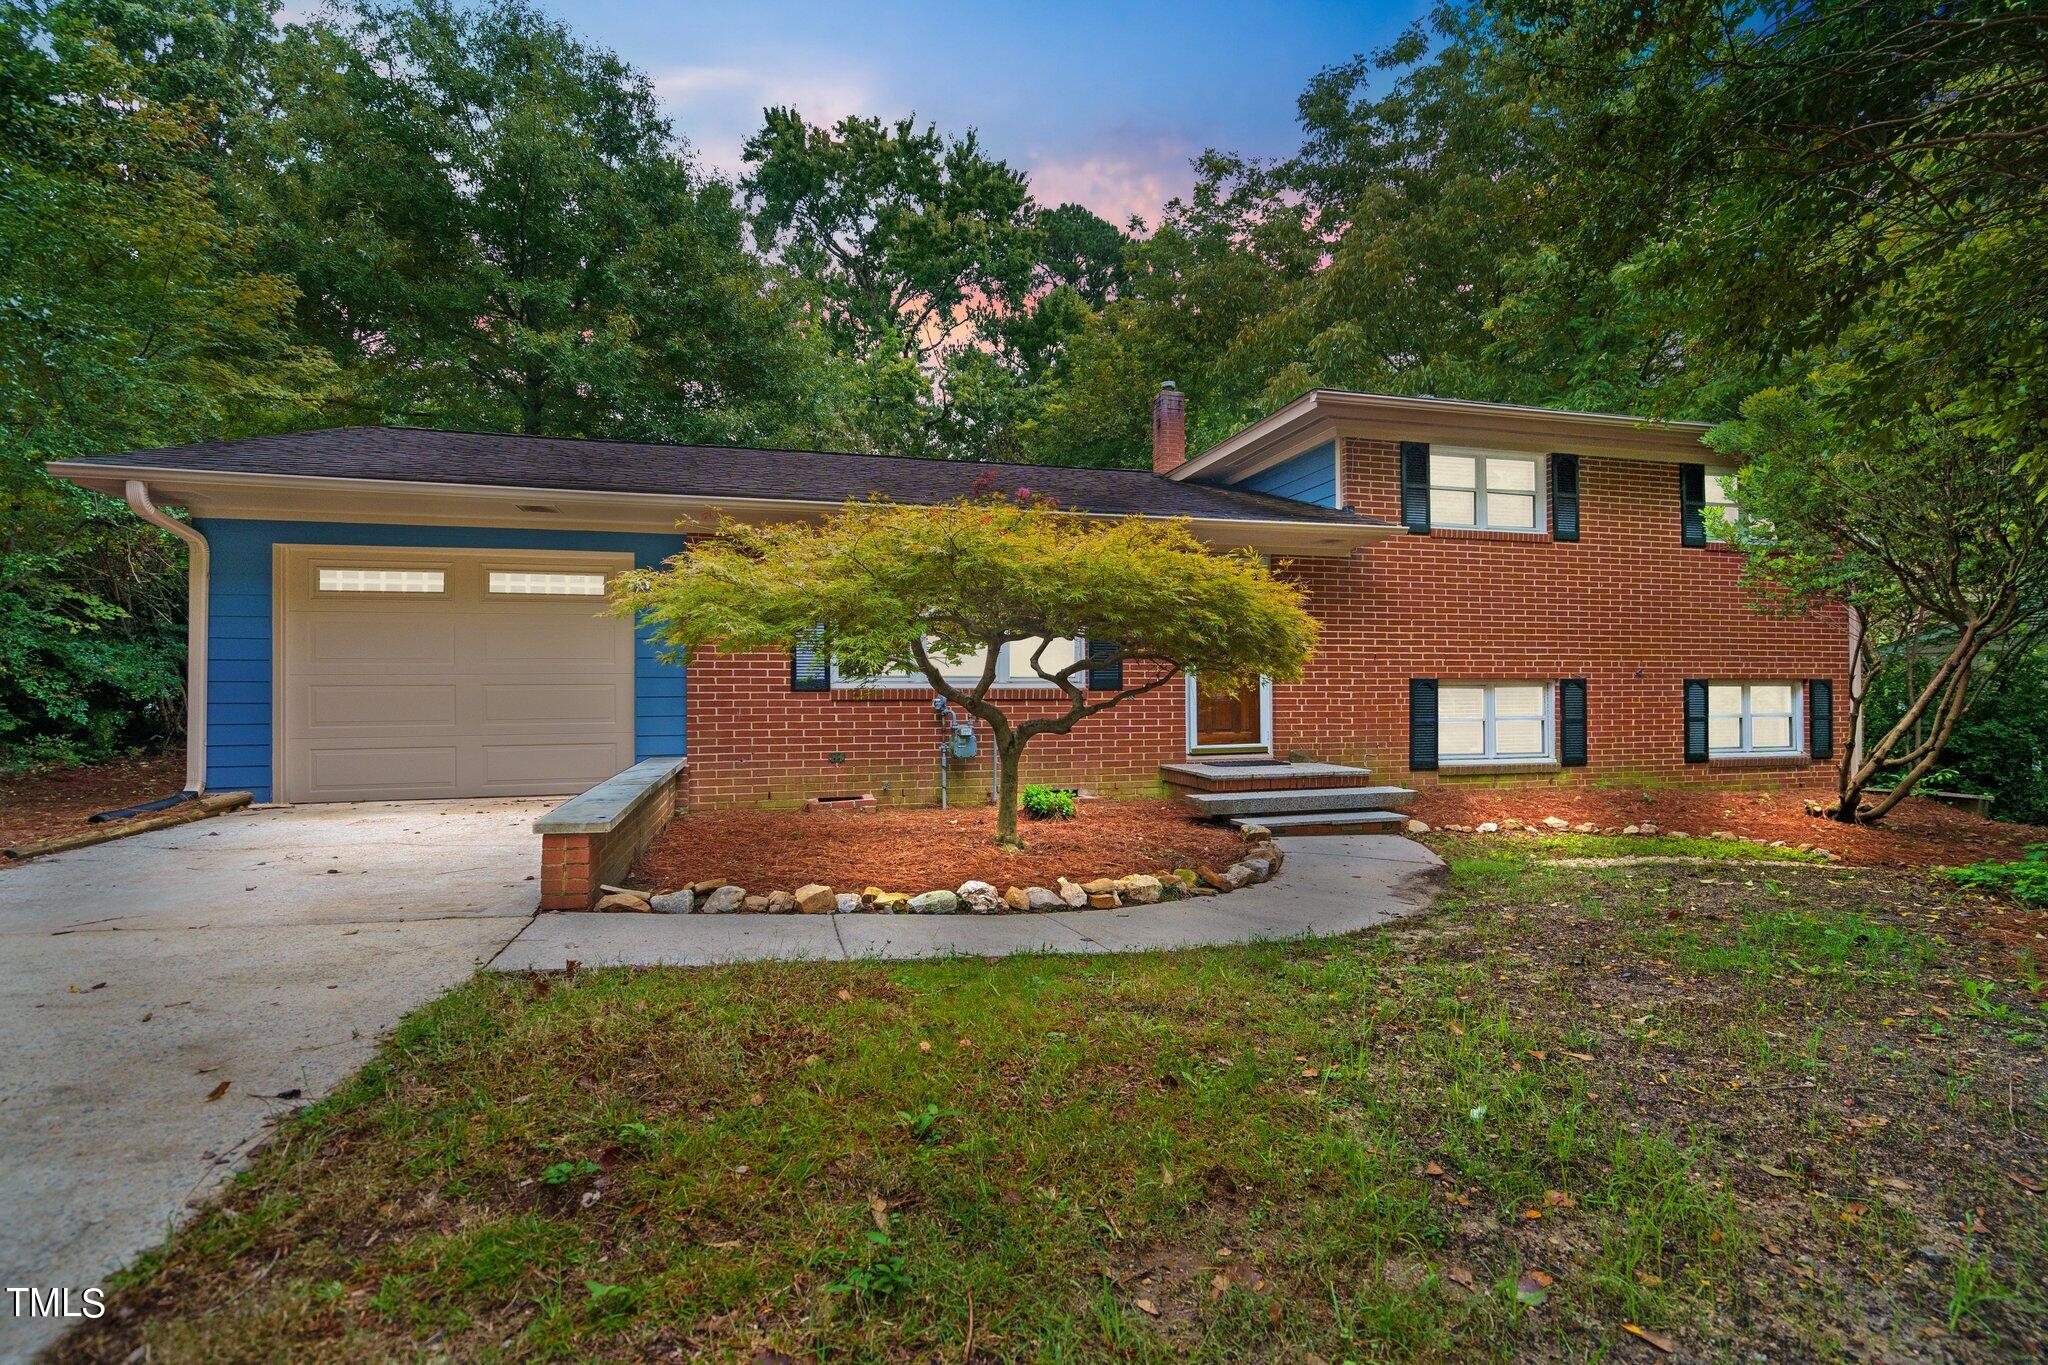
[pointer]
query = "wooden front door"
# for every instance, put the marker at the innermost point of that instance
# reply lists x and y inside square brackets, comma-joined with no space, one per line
[1228,720]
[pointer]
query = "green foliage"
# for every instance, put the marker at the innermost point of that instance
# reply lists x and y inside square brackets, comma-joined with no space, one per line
[132,314]
[1048,803]
[1999,748]
[568,1172]
[926,1124]
[891,588]
[2025,879]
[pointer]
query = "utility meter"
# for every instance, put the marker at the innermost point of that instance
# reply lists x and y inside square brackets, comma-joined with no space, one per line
[965,745]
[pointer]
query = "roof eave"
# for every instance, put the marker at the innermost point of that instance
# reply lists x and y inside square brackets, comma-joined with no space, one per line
[1321,414]
[301,497]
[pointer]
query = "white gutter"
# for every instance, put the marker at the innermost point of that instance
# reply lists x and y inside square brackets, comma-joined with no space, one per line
[197,566]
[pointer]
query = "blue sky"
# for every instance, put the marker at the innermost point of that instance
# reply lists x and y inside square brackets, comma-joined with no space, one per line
[1101,103]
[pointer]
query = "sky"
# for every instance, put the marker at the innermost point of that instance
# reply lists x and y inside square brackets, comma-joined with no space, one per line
[1102,104]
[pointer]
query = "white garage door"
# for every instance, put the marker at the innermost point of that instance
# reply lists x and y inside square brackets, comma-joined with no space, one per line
[443,673]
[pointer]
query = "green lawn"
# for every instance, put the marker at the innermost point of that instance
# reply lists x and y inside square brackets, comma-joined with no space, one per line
[1732,1108]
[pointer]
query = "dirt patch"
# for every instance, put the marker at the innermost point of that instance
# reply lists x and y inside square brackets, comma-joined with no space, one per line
[912,849]
[53,801]
[1916,834]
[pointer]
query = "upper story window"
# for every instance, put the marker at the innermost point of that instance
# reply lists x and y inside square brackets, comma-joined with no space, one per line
[1720,486]
[1494,723]
[1013,668]
[1752,718]
[1484,490]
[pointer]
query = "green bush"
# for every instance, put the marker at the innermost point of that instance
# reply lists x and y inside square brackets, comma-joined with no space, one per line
[2025,880]
[1048,803]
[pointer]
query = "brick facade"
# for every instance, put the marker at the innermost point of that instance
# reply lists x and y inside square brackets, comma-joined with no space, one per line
[1626,607]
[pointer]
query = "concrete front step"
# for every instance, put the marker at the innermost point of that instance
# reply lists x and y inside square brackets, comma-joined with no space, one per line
[1298,800]
[1241,775]
[1328,822]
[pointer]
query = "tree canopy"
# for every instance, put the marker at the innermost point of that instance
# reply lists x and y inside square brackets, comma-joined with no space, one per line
[887,589]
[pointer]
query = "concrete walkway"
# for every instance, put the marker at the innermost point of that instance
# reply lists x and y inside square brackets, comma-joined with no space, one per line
[270,950]
[1328,886]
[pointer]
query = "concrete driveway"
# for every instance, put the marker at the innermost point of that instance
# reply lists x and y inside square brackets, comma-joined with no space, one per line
[268,949]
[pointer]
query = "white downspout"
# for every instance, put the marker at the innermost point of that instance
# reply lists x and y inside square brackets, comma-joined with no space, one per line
[197,567]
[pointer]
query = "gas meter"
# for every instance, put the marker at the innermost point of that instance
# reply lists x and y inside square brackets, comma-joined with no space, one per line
[964,744]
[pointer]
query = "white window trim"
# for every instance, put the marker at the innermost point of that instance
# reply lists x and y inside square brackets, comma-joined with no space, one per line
[1006,675]
[321,587]
[523,594]
[1733,516]
[1493,758]
[1539,496]
[1747,748]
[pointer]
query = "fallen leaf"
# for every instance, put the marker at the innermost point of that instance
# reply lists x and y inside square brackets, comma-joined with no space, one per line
[924,1046]
[1580,1056]
[1533,1288]
[1148,1308]
[845,994]
[1432,1169]
[1219,1285]
[217,1092]
[1656,1339]
[1458,1275]
[1648,1280]
[2025,1182]
[1456,1029]
[1558,1199]
[878,1209]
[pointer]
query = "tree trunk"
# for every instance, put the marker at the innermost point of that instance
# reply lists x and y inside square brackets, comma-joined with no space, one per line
[1009,783]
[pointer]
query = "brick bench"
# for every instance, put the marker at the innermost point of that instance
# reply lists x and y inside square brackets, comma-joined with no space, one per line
[592,839]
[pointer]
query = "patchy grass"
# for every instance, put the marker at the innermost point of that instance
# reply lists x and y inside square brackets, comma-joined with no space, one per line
[1799,1112]
[1622,846]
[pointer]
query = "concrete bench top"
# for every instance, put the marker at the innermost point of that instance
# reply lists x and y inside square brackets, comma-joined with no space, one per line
[601,809]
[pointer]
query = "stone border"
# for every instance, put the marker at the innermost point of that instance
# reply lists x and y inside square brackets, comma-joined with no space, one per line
[716,896]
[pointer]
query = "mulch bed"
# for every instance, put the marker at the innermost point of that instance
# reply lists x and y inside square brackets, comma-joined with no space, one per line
[50,801]
[921,849]
[1914,834]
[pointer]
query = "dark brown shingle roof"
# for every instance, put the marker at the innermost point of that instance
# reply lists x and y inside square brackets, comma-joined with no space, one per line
[419,455]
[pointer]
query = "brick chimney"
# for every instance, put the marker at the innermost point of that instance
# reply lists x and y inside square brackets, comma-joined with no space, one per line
[1169,429]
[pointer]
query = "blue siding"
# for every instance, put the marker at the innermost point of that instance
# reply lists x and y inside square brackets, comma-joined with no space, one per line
[1308,477]
[238,702]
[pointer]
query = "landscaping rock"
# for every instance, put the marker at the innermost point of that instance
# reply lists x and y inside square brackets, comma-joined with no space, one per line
[868,894]
[1139,888]
[1256,869]
[781,903]
[1257,832]
[1095,886]
[1233,877]
[755,904]
[980,897]
[845,903]
[630,902]
[1042,898]
[890,902]
[1072,894]
[1631,829]
[1187,878]
[707,886]
[674,902]
[1552,822]
[1489,828]
[1103,900]
[1646,828]
[1417,826]
[933,903]
[815,898]
[1584,827]
[1271,853]
[1212,879]
[1016,898]
[723,900]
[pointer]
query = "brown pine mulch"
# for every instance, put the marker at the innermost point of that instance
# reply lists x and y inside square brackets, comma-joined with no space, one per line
[921,849]
[1916,833]
[45,802]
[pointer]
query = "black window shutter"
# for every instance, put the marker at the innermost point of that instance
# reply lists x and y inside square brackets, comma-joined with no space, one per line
[810,664]
[1571,722]
[1695,720]
[1692,504]
[1564,496]
[1415,487]
[1422,724]
[1820,717]
[1107,677]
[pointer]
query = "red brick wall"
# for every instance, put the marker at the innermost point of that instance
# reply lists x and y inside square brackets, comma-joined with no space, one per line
[1626,607]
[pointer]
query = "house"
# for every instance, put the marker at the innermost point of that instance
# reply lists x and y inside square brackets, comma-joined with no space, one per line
[1504,592]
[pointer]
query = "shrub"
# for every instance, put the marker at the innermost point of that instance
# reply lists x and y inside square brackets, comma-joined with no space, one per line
[2026,879]
[1048,803]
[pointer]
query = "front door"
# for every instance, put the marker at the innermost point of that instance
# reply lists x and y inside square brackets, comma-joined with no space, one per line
[1228,720]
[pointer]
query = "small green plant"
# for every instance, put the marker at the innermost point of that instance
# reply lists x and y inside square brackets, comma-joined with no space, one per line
[2025,879]
[562,1172]
[610,1301]
[1974,1289]
[635,1135]
[880,1277]
[926,1123]
[1048,803]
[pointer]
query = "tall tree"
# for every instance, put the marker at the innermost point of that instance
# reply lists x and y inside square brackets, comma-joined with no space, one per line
[492,225]
[131,314]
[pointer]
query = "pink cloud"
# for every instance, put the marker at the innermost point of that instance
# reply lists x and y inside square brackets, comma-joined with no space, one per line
[1137,179]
